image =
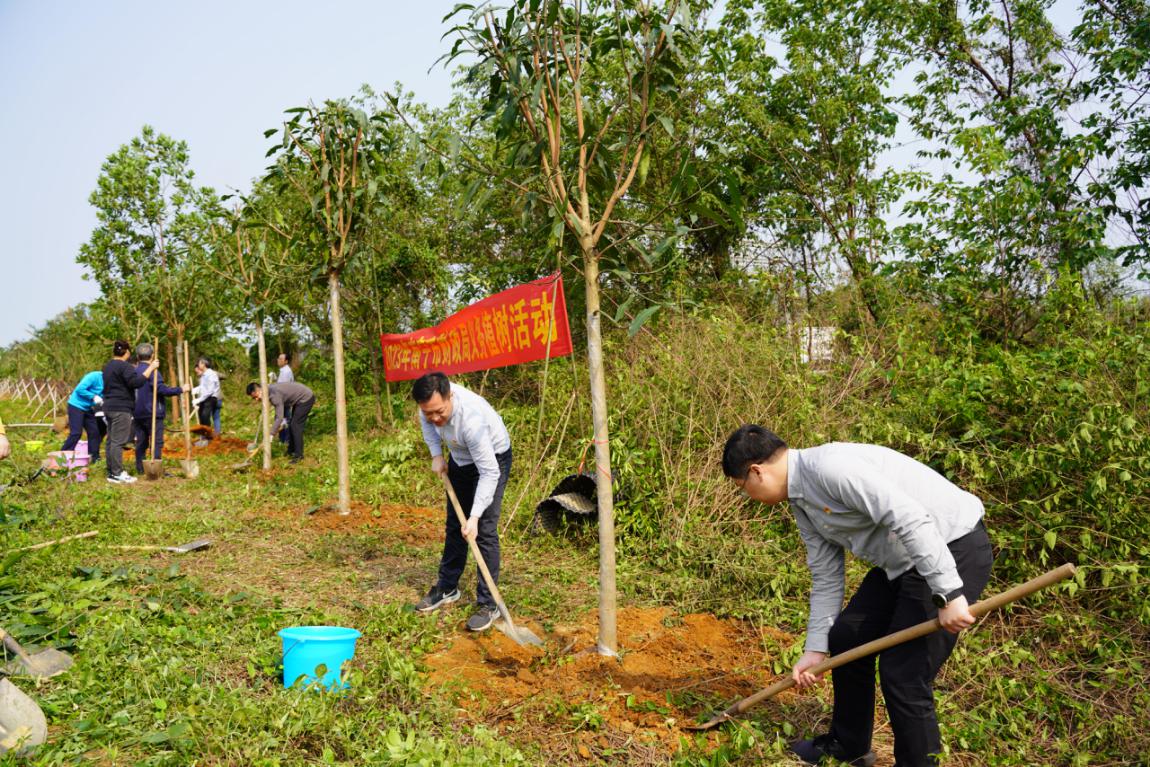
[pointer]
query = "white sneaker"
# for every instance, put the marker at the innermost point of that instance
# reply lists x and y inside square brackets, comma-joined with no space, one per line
[123,478]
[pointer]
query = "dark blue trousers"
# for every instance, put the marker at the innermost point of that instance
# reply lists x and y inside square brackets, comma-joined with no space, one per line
[465,479]
[143,430]
[84,421]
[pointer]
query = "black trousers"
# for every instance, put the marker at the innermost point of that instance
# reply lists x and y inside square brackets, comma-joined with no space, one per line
[143,437]
[206,409]
[84,421]
[465,479]
[295,428]
[880,607]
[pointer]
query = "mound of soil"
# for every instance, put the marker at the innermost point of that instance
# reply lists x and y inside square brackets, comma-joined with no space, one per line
[413,524]
[579,706]
[222,445]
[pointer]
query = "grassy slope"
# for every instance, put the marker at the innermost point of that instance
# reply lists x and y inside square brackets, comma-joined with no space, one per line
[176,657]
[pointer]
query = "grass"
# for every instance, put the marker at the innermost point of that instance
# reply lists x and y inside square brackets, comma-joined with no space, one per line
[178,660]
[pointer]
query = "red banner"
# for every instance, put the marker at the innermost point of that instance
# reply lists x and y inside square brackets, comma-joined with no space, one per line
[504,329]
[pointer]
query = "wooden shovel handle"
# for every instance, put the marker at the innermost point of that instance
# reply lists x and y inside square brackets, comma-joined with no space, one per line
[10,642]
[914,632]
[155,393]
[65,539]
[478,555]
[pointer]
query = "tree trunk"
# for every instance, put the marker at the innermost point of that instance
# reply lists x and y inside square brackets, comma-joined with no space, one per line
[607,628]
[265,405]
[184,407]
[340,396]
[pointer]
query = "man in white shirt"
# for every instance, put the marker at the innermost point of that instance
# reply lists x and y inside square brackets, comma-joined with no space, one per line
[207,397]
[932,555]
[286,375]
[479,465]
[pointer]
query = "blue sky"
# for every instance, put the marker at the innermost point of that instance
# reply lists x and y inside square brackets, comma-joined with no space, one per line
[78,79]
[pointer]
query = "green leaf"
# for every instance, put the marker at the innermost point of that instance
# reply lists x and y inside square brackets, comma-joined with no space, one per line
[667,125]
[1051,538]
[641,319]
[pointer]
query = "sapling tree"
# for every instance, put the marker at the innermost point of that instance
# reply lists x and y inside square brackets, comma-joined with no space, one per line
[574,89]
[250,257]
[330,156]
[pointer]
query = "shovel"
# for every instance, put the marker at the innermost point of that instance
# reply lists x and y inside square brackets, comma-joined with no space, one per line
[42,665]
[520,634]
[183,548]
[191,468]
[22,723]
[154,467]
[870,648]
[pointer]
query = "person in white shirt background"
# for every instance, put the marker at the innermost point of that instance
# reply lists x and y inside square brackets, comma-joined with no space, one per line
[932,557]
[283,362]
[478,467]
[207,397]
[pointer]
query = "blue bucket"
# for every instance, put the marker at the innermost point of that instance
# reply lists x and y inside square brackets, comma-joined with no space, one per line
[306,648]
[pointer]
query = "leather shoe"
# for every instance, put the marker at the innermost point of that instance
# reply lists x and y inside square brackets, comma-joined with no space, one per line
[821,747]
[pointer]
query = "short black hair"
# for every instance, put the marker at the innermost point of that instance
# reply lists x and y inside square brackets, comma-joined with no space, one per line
[749,444]
[428,384]
[119,348]
[252,387]
[206,362]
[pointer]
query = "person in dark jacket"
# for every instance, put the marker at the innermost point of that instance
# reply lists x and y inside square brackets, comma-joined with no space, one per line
[142,414]
[121,379]
[283,396]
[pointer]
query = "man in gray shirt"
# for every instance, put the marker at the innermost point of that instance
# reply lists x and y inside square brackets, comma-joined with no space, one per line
[932,555]
[478,467]
[283,396]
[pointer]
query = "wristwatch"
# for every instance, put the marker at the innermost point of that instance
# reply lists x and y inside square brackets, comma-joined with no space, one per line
[942,600]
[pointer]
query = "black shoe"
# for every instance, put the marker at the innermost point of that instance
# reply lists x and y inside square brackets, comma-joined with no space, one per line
[483,617]
[436,599]
[821,747]
[296,459]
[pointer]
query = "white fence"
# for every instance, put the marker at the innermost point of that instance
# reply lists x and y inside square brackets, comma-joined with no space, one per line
[48,398]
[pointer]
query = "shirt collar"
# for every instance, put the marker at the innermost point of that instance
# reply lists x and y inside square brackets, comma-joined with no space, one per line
[794,475]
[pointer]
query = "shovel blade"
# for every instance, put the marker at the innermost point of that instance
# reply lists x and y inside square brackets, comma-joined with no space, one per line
[44,664]
[713,722]
[521,635]
[154,469]
[191,468]
[196,545]
[23,726]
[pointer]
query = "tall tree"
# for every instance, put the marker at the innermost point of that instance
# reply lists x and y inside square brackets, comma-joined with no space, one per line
[815,124]
[996,96]
[1115,38]
[574,89]
[331,157]
[149,247]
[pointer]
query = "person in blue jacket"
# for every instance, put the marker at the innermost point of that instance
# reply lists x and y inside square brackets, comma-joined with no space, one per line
[142,414]
[82,407]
